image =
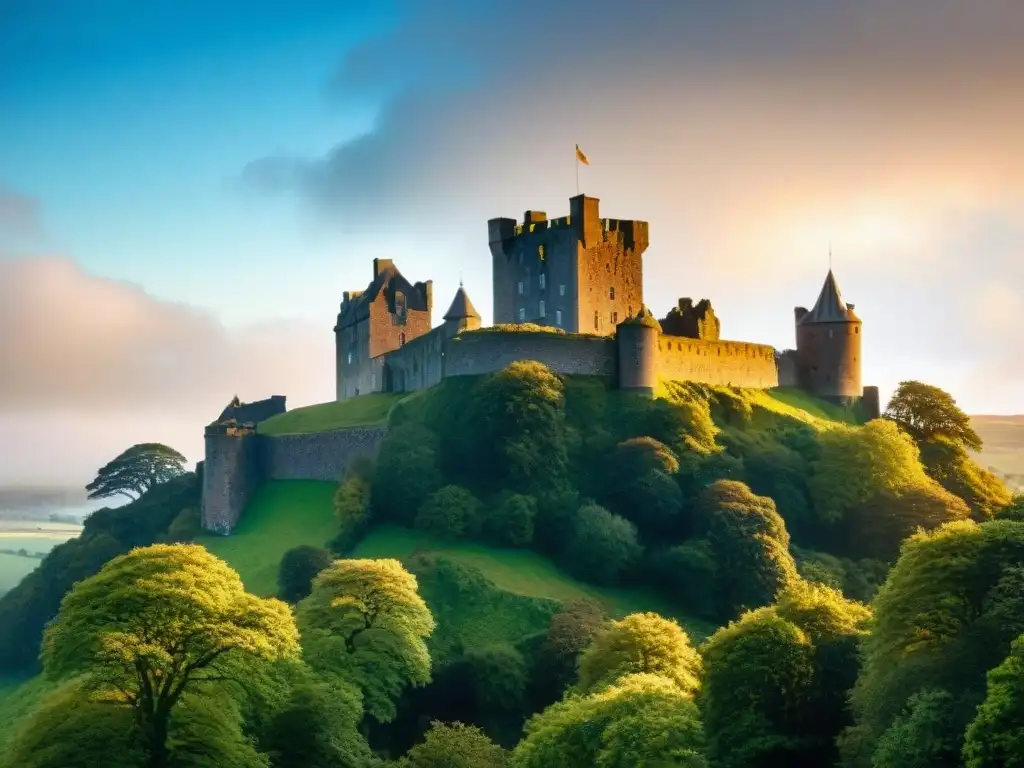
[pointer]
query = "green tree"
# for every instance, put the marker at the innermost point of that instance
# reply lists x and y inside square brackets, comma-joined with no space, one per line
[406,473]
[570,632]
[995,738]
[643,720]
[640,643]
[1014,510]
[952,467]
[684,572]
[159,622]
[638,456]
[510,521]
[602,545]
[317,725]
[857,463]
[946,615]
[299,566]
[750,547]
[455,746]
[76,728]
[776,681]
[452,512]
[521,412]
[352,511]
[922,736]
[136,470]
[926,412]
[499,677]
[365,622]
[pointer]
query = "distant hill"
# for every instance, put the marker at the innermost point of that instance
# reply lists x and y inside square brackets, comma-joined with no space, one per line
[1003,438]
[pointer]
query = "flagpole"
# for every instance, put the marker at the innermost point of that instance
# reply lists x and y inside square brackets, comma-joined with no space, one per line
[577,156]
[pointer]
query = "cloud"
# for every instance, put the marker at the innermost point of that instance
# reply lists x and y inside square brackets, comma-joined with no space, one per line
[750,135]
[19,215]
[91,365]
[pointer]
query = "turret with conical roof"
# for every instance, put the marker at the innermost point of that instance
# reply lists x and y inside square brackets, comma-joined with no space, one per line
[461,315]
[828,344]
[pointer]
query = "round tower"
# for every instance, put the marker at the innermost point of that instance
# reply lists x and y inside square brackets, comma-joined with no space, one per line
[828,344]
[461,315]
[637,341]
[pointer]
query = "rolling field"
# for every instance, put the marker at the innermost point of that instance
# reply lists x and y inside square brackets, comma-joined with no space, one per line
[1003,450]
[31,536]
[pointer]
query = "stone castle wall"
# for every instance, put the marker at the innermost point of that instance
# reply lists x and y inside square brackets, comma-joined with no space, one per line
[419,364]
[723,363]
[231,475]
[472,354]
[322,456]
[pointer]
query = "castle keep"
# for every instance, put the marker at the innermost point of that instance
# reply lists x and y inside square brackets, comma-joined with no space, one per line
[581,276]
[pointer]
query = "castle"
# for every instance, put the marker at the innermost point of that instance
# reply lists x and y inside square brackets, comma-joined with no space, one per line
[581,276]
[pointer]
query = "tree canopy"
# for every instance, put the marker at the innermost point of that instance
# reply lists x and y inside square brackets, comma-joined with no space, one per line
[365,622]
[640,643]
[926,412]
[136,470]
[159,622]
[643,719]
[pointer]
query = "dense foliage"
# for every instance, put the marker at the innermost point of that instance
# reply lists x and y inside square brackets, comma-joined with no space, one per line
[866,579]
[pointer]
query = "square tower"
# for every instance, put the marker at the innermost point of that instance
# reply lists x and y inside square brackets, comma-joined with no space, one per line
[388,314]
[581,273]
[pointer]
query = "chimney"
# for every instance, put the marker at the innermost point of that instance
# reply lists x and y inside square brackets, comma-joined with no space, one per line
[381,265]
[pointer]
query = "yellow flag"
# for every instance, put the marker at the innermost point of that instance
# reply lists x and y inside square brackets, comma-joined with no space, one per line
[580,156]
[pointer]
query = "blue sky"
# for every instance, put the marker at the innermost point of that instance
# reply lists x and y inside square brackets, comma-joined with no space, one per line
[187,188]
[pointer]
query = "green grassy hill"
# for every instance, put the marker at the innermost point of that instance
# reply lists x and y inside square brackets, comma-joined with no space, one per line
[289,513]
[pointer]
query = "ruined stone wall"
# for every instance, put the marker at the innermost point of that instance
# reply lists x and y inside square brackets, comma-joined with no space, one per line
[231,475]
[724,363]
[471,354]
[417,365]
[323,456]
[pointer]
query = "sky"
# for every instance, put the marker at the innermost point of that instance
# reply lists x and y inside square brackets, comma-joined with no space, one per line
[187,188]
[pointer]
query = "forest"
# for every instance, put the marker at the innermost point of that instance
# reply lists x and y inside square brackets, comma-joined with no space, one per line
[838,593]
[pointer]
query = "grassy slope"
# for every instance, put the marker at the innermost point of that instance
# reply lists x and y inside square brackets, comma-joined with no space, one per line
[362,411]
[17,699]
[519,572]
[282,515]
[1003,438]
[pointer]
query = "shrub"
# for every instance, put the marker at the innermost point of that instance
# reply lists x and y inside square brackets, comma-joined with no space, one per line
[499,678]
[352,511]
[299,566]
[510,520]
[750,545]
[406,474]
[687,573]
[602,545]
[455,746]
[451,512]
[185,527]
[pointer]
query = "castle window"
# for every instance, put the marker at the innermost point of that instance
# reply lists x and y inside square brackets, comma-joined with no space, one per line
[541,310]
[401,339]
[561,290]
[522,314]
[400,304]
[540,252]
[611,292]
[558,318]
[830,333]
[597,321]
[520,287]
[542,280]
[615,318]
[350,358]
